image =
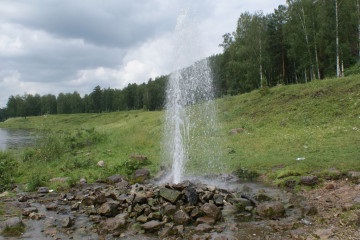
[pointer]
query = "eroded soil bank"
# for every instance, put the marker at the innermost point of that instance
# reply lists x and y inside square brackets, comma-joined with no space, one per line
[115,209]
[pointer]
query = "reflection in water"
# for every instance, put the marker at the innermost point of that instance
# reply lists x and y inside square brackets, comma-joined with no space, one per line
[15,138]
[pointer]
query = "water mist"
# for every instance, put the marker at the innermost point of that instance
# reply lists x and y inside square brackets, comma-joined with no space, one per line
[190,136]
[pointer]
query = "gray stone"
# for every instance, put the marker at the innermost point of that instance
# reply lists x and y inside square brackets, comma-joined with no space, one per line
[203,227]
[108,209]
[141,174]
[170,194]
[211,210]
[309,180]
[28,210]
[152,225]
[191,195]
[271,210]
[206,219]
[67,222]
[181,217]
[115,178]
[117,222]
[51,206]
[169,209]
[218,199]
[142,219]
[43,190]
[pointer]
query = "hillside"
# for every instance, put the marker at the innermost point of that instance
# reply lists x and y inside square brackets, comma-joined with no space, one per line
[317,122]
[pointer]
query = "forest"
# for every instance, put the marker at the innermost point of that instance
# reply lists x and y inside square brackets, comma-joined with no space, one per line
[299,42]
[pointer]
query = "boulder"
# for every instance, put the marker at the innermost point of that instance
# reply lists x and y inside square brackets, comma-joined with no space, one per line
[170,194]
[169,209]
[152,225]
[181,218]
[191,195]
[108,209]
[203,227]
[211,210]
[218,199]
[116,223]
[309,180]
[115,178]
[141,174]
[42,190]
[28,210]
[271,210]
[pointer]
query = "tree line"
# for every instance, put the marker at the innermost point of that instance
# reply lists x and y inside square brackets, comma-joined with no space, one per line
[299,42]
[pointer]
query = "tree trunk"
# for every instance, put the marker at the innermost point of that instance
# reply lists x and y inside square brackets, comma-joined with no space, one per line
[358,14]
[338,70]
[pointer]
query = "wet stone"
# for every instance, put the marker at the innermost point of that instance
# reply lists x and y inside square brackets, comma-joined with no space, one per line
[271,210]
[170,194]
[191,195]
[43,190]
[28,210]
[218,199]
[211,210]
[152,225]
[181,217]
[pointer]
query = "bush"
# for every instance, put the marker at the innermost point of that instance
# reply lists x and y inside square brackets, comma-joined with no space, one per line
[7,169]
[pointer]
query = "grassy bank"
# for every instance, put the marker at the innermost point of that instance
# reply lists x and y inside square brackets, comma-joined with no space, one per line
[318,122]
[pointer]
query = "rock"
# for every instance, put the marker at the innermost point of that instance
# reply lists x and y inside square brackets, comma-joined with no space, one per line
[218,199]
[211,210]
[271,210]
[42,190]
[99,198]
[108,209]
[36,216]
[191,195]
[100,164]
[140,198]
[88,200]
[116,223]
[141,175]
[309,180]
[206,219]
[24,198]
[82,181]
[309,210]
[181,217]
[195,212]
[28,210]
[203,227]
[324,233]
[330,186]
[240,203]
[51,206]
[142,219]
[169,209]
[152,225]
[123,185]
[59,180]
[138,157]
[115,178]
[170,194]
[67,222]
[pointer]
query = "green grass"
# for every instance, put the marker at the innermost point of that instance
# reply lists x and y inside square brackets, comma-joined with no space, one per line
[319,121]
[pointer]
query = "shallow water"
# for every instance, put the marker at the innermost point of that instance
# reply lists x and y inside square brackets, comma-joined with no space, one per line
[15,138]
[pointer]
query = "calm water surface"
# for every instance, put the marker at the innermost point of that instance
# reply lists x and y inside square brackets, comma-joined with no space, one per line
[15,138]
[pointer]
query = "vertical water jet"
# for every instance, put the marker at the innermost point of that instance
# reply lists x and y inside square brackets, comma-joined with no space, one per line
[190,135]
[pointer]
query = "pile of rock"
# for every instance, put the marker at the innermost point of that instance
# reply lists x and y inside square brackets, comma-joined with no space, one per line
[167,210]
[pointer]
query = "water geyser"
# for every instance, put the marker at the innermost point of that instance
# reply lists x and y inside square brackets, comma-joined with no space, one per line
[191,127]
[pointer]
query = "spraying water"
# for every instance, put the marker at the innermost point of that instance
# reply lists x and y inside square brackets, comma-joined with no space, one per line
[191,125]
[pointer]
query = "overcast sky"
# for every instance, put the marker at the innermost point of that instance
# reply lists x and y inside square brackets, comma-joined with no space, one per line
[53,46]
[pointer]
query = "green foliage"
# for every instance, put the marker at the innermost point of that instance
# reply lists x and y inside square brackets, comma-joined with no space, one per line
[246,174]
[7,169]
[129,166]
[8,166]
[14,231]
[36,179]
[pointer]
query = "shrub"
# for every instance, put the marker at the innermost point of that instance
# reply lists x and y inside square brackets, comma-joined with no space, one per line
[7,169]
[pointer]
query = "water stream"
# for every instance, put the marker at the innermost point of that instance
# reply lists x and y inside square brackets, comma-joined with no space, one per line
[191,125]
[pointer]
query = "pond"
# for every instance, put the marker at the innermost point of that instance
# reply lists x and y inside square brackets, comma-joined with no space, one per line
[15,138]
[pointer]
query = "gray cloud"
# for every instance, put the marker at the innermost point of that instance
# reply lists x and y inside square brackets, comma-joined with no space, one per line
[67,45]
